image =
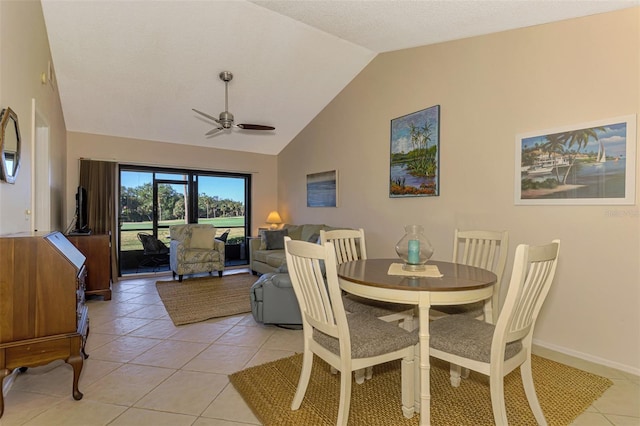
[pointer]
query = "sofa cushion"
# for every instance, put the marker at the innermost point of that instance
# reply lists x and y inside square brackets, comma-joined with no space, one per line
[261,255]
[202,238]
[309,230]
[275,239]
[275,258]
[295,231]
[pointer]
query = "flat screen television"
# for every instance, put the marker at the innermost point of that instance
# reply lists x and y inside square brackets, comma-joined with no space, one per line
[82,225]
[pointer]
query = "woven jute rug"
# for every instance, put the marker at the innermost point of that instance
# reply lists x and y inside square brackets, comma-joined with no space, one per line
[200,299]
[564,392]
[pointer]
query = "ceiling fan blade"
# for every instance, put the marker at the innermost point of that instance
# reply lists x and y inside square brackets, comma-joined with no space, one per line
[255,127]
[213,131]
[207,115]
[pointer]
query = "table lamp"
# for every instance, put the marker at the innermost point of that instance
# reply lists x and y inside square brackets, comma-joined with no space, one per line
[274,220]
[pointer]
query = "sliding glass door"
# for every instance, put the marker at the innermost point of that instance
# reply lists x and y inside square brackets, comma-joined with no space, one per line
[152,199]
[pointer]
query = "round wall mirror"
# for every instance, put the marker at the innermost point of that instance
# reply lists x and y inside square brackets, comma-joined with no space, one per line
[9,145]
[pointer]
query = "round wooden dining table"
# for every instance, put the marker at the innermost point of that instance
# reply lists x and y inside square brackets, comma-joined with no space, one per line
[459,284]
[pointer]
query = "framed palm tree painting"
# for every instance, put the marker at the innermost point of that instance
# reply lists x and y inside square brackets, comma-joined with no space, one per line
[415,154]
[590,163]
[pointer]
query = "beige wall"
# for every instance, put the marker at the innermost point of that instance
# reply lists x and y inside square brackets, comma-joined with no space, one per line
[490,89]
[24,56]
[143,152]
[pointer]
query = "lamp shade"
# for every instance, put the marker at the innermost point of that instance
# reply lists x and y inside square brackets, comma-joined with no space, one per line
[274,218]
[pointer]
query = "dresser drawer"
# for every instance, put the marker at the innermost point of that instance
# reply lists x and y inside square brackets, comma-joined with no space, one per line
[37,353]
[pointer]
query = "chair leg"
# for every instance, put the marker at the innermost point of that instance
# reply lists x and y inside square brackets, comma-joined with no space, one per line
[180,278]
[368,373]
[416,376]
[496,385]
[359,375]
[455,372]
[530,391]
[303,382]
[407,323]
[345,397]
[408,387]
[465,373]
[220,274]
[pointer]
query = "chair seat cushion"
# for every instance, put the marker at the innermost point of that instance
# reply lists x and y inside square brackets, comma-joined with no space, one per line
[376,308]
[473,310]
[369,337]
[200,256]
[467,337]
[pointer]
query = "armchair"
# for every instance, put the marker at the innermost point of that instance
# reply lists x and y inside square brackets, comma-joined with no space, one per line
[194,249]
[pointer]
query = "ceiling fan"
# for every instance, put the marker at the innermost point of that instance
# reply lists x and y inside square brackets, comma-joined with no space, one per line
[225,120]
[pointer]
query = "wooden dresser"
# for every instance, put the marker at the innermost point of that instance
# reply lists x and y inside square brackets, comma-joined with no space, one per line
[97,250]
[43,316]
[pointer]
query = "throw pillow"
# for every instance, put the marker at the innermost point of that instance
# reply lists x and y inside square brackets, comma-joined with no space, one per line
[275,239]
[263,239]
[202,238]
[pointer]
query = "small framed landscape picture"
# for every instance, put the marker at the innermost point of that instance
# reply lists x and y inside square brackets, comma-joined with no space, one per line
[415,154]
[589,163]
[322,189]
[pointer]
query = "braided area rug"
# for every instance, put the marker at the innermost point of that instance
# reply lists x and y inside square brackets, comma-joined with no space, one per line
[200,299]
[564,393]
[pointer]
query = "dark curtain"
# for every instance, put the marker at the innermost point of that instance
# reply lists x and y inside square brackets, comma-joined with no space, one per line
[99,179]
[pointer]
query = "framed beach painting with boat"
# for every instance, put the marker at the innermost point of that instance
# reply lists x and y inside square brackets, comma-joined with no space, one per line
[415,154]
[590,163]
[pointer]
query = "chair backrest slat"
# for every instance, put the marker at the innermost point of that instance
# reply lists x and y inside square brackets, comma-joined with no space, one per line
[349,244]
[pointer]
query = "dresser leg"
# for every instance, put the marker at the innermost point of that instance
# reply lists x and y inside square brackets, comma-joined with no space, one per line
[84,343]
[76,362]
[3,373]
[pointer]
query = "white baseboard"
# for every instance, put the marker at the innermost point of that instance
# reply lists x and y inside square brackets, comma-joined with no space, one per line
[588,357]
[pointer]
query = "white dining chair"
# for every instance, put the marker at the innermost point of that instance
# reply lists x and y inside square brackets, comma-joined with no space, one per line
[482,249]
[496,350]
[347,342]
[350,245]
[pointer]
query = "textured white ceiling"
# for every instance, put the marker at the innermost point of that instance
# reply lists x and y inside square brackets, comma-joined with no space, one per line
[136,68]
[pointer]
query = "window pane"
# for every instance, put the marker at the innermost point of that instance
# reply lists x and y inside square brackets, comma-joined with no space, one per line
[221,202]
[136,194]
[171,204]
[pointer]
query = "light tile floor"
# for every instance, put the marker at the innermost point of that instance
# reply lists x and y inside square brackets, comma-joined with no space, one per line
[142,370]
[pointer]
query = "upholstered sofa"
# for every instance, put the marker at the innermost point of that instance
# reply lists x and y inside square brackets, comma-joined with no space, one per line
[266,254]
[194,249]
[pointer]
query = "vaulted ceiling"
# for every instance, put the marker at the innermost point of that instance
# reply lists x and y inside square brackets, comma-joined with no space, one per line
[136,69]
